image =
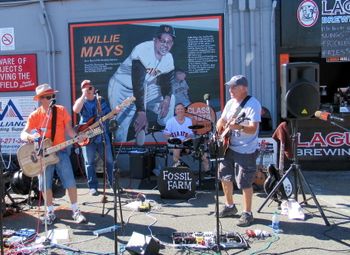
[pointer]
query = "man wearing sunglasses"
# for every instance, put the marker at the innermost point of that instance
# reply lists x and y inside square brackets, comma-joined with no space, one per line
[146,74]
[89,106]
[35,127]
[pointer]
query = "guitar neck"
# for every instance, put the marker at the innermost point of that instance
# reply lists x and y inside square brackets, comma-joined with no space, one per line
[281,158]
[102,119]
[61,146]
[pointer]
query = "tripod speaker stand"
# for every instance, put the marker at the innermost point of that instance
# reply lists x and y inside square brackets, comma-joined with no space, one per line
[299,178]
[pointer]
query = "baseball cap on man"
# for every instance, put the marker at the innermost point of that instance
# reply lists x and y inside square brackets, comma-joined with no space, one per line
[167,29]
[237,80]
[42,90]
[85,83]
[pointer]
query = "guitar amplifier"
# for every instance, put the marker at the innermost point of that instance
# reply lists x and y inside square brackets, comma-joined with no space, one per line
[141,164]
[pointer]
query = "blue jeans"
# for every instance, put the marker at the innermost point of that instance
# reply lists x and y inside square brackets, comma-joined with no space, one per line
[64,171]
[89,152]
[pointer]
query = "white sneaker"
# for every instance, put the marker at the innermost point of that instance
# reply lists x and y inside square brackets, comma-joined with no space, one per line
[93,192]
[78,217]
[49,217]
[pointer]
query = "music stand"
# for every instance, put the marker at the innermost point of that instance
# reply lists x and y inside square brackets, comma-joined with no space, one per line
[299,178]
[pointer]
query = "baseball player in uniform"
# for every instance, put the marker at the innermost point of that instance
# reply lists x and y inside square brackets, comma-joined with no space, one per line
[146,74]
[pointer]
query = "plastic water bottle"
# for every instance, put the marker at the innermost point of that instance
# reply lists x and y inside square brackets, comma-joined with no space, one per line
[275,222]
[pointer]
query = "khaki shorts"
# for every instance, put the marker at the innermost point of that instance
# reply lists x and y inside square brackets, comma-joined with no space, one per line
[240,166]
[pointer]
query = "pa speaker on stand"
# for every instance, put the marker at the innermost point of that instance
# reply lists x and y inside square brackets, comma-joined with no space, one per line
[300,96]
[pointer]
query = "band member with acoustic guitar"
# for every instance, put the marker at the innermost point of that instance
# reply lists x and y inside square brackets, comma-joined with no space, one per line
[242,140]
[91,107]
[35,128]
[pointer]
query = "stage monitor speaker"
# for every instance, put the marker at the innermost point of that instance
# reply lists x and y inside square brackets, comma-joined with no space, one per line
[300,96]
[176,183]
[141,244]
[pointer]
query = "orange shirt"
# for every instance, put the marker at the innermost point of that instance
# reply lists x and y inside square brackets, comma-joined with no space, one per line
[36,121]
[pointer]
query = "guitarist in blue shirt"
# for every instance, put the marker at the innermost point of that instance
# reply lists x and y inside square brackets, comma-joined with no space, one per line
[91,107]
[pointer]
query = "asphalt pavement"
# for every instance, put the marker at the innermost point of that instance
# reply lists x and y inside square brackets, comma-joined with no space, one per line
[195,215]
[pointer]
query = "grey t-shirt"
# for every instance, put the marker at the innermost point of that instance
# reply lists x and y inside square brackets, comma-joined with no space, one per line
[240,141]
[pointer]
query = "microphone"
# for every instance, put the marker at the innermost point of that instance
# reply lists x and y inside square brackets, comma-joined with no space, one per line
[97,91]
[53,101]
[113,125]
[326,116]
[206,98]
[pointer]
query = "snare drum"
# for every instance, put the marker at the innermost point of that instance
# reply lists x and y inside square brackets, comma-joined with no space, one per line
[174,141]
[188,143]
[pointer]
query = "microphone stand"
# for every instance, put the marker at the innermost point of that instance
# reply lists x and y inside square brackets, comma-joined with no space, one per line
[2,203]
[40,154]
[112,128]
[105,174]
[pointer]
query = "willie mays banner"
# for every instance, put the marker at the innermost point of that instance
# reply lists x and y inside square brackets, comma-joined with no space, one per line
[161,62]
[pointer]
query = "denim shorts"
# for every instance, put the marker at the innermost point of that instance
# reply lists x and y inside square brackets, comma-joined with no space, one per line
[240,166]
[63,169]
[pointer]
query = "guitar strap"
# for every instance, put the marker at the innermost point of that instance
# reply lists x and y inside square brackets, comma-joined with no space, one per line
[53,123]
[241,105]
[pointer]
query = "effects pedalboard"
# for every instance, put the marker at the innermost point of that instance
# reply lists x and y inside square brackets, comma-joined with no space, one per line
[207,240]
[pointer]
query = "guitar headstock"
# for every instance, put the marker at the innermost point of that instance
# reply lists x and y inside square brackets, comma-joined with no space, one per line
[127,102]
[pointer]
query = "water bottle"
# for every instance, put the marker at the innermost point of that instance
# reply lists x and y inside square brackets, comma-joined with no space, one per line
[275,222]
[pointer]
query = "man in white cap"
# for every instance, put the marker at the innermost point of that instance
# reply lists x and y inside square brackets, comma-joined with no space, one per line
[240,158]
[35,127]
[146,74]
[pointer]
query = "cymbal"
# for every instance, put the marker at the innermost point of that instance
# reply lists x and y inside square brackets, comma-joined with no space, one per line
[196,126]
[154,129]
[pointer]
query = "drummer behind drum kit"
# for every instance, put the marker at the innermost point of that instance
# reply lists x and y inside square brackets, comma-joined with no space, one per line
[179,181]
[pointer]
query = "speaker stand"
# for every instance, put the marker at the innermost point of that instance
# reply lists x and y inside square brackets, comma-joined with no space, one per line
[299,178]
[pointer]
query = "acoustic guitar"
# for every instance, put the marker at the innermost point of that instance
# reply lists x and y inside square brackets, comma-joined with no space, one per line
[91,123]
[260,174]
[274,176]
[31,164]
[225,135]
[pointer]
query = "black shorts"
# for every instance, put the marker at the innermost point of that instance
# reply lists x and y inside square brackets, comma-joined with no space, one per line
[240,166]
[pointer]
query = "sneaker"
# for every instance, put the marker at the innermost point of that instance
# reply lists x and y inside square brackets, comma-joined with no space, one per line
[228,212]
[78,217]
[93,192]
[245,220]
[49,217]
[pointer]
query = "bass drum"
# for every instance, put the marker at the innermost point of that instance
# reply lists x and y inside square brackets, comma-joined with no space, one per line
[201,114]
[176,183]
[21,184]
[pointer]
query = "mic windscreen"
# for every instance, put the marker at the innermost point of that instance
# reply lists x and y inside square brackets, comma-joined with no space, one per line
[113,125]
[318,114]
[206,97]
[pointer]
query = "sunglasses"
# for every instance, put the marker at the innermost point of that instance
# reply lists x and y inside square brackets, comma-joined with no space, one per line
[46,97]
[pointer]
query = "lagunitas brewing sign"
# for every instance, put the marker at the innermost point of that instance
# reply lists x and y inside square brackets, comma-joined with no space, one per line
[176,182]
[323,146]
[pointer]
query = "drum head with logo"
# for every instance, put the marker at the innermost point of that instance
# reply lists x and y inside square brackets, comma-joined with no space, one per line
[201,114]
[176,183]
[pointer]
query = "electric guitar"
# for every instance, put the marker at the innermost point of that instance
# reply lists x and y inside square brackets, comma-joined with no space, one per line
[225,135]
[32,165]
[92,124]
[274,176]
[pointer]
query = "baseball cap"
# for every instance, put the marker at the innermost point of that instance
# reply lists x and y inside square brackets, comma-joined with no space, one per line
[237,80]
[167,29]
[85,82]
